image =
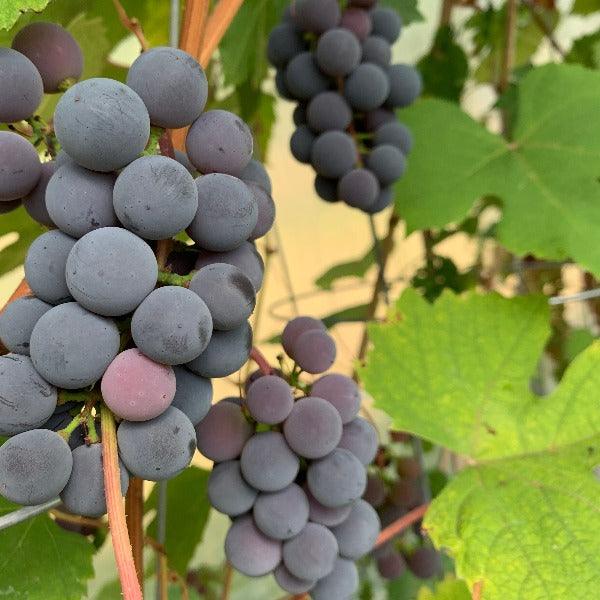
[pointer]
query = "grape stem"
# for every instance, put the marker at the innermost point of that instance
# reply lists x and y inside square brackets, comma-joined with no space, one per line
[173,279]
[116,513]
[259,358]
[134,509]
[398,526]
[477,591]
[227,580]
[218,22]
[132,24]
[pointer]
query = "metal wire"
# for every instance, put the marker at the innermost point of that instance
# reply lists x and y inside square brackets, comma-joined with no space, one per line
[585,295]
[174,24]
[18,516]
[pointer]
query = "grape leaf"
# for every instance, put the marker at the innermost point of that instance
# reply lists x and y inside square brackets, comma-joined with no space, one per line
[408,9]
[444,68]
[448,589]
[187,514]
[11,10]
[546,178]
[353,314]
[586,7]
[352,268]
[586,51]
[525,513]
[41,561]
[26,229]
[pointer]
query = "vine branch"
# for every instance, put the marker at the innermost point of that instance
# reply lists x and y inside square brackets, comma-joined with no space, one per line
[116,513]
[259,358]
[218,22]
[398,526]
[132,24]
[543,25]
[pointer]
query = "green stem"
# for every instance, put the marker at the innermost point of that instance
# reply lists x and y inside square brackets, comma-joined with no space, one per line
[152,146]
[65,396]
[91,427]
[70,428]
[173,279]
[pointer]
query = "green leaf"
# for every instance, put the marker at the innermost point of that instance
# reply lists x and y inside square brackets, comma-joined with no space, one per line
[187,514]
[41,561]
[439,274]
[523,519]
[545,178]
[11,10]
[576,342]
[354,314]
[585,7]
[408,10]
[448,589]
[19,223]
[352,268]
[586,51]
[445,68]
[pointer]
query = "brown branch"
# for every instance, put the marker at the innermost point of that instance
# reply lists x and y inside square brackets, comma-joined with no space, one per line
[477,591]
[259,358]
[227,580]
[510,40]
[132,24]
[398,526]
[134,510]
[77,519]
[194,26]
[446,15]
[543,25]
[218,22]
[130,585]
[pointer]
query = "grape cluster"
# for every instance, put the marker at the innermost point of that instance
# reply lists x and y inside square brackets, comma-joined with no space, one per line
[394,487]
[108,322]
[290,470]
[336,64]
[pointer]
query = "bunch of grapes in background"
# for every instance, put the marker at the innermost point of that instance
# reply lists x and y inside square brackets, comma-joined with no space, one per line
[290,469]
[336,64]
[396,484]
[120,314]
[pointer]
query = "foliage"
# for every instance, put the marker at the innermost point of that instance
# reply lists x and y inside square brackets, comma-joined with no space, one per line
[11,10]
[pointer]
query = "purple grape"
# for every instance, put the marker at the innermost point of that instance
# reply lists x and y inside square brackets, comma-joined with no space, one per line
[22,87]
[35,201]
[54,51]
[312,553]
[395,134]
[406,85]
[316,15]
[250,551]
[17,321]
[227,490]
[290,583]
[281,515]
[313,428]
[358,21]
[193,395]
[341,391]
[325,515]
[266,211]
[327,111]
[391,564]
[387,164]
[338,52]
[136,388]
[20,167]
[284,43]
[303,78]
[385,198]
[314,351]
[425,562]
[222,434]
[360,438]
[359,188]
[333,154]
[297,327]
[375,492]
[270,399]
[377,50]
[357,534]
[301,144]
[326,188]
[367,87]
[342,582]
[386,23]
[256,173]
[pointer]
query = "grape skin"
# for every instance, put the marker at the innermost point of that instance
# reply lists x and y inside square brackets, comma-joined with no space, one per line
[283,44]
[268,463]
[303,78]
[367,87]
[314,351]
[20,167]
[387,163]
[155,197]
[182,158]
[244,257]
[299,115]
[172,85]
[328,110]
[102,124]
[385,198]
[337,479]
[424,562]
[17,321]
[342,582]
[9,206]
[357,21]
[333,154]
[226,352]
[313,428]
[377,50]
[325,515]
[228,492]
[79,201]
[406,85]
[53,50]
[125,273]
[266,211]
[281,85]
[360,438]
[297,327]
[256,173]
[72,347]
[376,118]
[312,553]
[136,388]
[301,144]
[34,467]
[28,400]
[45,266]
[358,188]
[281,515]
[219,142]
[395,134]
[223,432]
[84,493]
[227,213]
[375,492]
[391,564]
[386,23]
[22,87]
[270,399]
[316,15]
[326,188]
[193,394]
[157,449]
[227,292]
[357,534]
[338,52]
[172,325]
[341,391]
[35,201]
[250,551]
[289,583]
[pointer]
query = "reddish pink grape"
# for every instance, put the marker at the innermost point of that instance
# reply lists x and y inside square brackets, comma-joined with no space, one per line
[357,21]
[137,388]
